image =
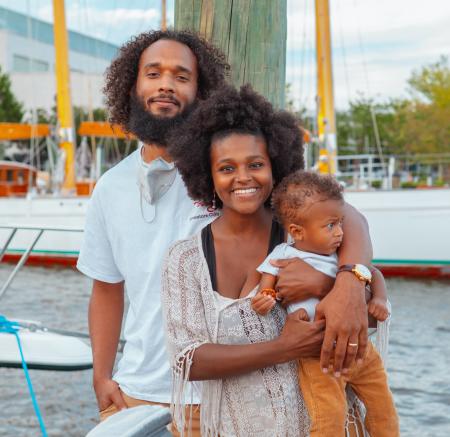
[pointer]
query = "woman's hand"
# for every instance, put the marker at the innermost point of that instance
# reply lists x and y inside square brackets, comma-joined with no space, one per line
[297,280]
[300,339]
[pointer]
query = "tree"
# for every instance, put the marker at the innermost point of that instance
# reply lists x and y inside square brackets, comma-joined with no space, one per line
[10,109]
[433,83]
[426,127]
[356,127]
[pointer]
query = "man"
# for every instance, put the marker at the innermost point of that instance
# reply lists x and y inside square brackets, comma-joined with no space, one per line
[141,206]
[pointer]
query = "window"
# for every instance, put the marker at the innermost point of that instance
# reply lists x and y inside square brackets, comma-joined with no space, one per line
[21,63]
[37,65]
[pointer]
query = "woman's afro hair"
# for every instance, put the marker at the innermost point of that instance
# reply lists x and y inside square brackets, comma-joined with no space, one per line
[230,111]
[121,75]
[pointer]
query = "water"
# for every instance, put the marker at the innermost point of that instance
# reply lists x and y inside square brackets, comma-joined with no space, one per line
[419,360]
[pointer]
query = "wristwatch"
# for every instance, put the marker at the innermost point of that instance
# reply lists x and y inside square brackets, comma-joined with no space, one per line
[360,271]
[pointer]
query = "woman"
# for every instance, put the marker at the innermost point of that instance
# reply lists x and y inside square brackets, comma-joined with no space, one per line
[237,150]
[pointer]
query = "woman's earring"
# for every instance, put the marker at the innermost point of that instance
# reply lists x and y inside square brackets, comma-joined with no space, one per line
[214,201]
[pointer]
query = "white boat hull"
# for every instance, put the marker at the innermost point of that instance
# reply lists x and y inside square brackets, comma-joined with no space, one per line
[409,228]
[45,351]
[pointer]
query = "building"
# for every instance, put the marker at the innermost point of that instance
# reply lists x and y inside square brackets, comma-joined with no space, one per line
[28,56]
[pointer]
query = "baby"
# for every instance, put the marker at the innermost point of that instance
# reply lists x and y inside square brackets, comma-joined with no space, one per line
[311,209]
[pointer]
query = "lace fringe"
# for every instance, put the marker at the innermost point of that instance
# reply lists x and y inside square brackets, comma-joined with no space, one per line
[355,417]
[357,410]
[181,385]
[382,339]
[210,394]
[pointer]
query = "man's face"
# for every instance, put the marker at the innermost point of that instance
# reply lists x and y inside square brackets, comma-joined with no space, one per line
[167,78]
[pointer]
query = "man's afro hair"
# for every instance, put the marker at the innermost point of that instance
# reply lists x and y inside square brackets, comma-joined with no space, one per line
[121,75]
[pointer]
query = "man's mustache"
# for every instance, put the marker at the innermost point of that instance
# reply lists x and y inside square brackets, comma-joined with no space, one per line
[165,98]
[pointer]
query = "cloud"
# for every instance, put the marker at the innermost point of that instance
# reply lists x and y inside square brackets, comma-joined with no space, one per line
[376,45]
[108,24]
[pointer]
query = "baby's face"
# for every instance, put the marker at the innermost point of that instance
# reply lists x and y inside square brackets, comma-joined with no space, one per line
[322,227]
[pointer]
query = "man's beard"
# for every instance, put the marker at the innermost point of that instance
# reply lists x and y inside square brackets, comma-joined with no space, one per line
[152,129]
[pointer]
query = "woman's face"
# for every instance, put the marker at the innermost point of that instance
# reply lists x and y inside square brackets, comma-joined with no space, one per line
[241,172]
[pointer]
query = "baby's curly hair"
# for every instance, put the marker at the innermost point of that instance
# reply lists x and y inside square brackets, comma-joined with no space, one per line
[230,111]
[298,190]
[121,75]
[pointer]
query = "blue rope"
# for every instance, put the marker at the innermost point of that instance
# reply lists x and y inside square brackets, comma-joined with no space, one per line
[11,327]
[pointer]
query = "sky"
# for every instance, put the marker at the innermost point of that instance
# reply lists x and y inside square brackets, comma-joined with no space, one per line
[377,44]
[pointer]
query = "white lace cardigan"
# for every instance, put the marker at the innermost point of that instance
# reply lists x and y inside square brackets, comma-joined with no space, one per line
[266,402]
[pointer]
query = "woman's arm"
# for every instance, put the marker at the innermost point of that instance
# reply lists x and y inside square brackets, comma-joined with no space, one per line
[298,339]
[190,350]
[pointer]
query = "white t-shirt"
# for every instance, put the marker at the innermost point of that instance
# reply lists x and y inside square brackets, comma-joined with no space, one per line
[120,245]
[323,263]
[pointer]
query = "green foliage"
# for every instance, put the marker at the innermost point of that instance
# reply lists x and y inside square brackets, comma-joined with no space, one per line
[433,83]
[356,130]
[406,126]
[409,184]
[11,110]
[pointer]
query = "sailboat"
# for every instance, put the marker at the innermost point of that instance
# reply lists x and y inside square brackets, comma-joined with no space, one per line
[25,343]
[408,227]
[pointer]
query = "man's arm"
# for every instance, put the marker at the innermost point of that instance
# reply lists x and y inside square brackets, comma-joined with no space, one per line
[344,308]
[298,280]
[105,320]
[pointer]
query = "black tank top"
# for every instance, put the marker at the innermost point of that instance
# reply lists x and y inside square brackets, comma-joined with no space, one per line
[276,237]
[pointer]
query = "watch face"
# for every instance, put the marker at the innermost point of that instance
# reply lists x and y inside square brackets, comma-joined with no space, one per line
[363,271]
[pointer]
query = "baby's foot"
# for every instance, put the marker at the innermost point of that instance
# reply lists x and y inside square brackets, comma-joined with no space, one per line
[378,308]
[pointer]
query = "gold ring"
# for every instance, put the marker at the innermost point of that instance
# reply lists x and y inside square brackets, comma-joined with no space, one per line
[353,344]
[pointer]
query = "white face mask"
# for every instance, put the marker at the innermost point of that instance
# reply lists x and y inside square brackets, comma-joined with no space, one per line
[155,179]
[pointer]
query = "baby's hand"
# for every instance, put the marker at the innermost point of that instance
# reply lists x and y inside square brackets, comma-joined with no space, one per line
[378,308]
[263,302]
[302,314]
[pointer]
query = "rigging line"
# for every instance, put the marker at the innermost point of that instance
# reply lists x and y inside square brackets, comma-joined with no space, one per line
[344,58]
[344,53]
[140,25]
[361,48]
[366,76]
[312,78]
[34,142]
[108,28]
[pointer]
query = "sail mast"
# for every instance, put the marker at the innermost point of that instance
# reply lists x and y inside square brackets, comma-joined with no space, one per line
[326,121]
[63,102]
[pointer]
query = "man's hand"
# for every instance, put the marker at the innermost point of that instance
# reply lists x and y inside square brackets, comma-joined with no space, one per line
[297,280]
[345,312]
[107,392]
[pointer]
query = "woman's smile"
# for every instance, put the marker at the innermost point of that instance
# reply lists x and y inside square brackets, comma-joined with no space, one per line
[245,192]
[241,171]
